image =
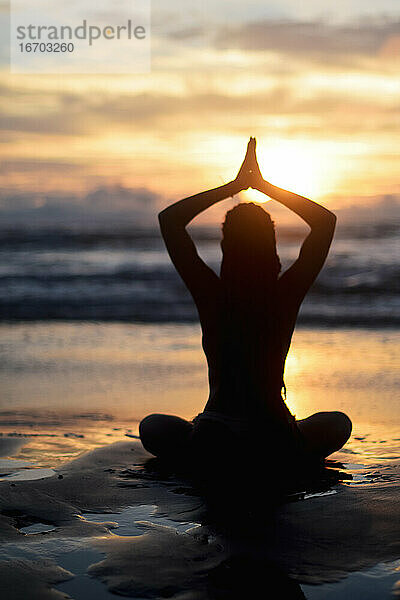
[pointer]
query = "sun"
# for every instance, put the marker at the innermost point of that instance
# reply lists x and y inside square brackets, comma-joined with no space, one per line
[301,167]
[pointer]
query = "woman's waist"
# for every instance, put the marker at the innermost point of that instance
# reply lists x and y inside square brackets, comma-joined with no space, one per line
[247,402]
[238,424]
[246,423]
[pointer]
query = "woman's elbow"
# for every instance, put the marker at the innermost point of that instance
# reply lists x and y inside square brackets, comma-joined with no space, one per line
[162,215]
[325,222]
[332,219]
[164,218]
[329,220]
[169,221]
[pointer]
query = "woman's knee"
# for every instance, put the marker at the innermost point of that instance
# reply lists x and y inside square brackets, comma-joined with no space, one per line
[326,432]
[164,435]
[148,430]
[341,424]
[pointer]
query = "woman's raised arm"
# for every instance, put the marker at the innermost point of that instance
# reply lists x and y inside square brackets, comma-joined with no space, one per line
[312,213]
[299,277]
[182,212]
[197,276]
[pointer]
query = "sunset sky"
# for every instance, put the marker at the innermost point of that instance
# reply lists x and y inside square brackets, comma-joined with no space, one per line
[317,83]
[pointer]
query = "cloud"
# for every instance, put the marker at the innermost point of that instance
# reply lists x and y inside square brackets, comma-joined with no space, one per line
[316,40]
[378,209]
[188,33]
[109,206]
[282,79]
[105,204]
[54,124]
[32,166]
[81,114]
[119,198]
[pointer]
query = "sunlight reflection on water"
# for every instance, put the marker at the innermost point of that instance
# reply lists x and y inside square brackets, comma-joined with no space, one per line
[71,387]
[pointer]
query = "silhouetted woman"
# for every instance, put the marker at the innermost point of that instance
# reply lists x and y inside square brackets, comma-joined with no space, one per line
[247,315]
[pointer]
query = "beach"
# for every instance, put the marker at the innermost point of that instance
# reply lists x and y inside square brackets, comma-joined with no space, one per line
[96,332]
[80,516]
[123,161]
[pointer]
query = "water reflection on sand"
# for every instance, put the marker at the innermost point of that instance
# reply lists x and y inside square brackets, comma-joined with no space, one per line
[70,388]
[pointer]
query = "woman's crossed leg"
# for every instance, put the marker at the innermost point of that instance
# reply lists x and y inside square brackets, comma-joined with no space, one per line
[168,436]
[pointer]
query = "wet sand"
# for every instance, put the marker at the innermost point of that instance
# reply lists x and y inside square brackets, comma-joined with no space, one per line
[82,516]
[166,544]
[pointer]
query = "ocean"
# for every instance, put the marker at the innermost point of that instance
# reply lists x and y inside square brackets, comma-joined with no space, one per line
[124,274]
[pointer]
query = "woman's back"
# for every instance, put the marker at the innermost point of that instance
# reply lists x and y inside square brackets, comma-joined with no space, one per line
[247,315]
[246,350]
